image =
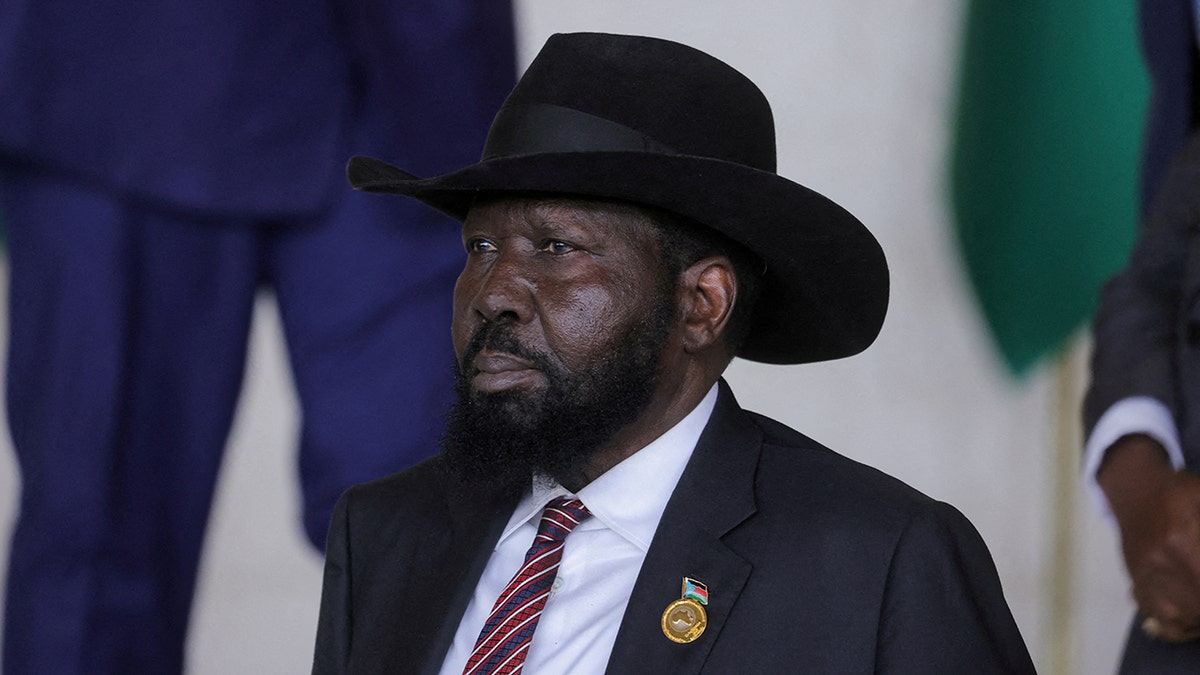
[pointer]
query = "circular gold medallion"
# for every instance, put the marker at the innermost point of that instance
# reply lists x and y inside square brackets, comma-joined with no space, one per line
[684,620]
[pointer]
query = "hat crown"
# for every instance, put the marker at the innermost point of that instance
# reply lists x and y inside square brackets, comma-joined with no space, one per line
[592,92]
[653,122]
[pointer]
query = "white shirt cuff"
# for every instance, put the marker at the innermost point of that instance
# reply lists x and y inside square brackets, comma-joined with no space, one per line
[1134,415]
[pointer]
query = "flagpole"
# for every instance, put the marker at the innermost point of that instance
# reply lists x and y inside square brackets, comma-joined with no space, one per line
[1064,570]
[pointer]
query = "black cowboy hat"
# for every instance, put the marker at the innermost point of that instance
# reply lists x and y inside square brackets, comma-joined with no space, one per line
[654,122]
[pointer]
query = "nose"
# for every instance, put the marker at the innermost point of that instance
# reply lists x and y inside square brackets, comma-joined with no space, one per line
[503,290]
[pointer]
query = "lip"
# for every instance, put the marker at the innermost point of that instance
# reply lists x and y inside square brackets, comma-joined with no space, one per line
[497,371]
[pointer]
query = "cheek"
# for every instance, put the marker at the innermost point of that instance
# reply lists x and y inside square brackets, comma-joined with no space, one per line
[590,322]
[460,328]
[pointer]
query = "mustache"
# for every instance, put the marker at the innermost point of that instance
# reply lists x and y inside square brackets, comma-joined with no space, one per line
[501,338]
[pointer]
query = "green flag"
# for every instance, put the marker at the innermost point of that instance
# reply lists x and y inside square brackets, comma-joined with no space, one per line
[1044,164]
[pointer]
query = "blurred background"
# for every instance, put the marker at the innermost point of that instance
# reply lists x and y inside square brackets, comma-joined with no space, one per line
[865,98]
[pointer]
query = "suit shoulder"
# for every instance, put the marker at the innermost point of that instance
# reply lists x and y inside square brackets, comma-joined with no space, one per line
[794,468]
[889,566]
[791,451]
[419,488]
[803,489]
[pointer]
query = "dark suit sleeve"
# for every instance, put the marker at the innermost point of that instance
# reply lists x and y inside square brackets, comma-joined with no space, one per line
[1136,338]
[334,625]
[943,609]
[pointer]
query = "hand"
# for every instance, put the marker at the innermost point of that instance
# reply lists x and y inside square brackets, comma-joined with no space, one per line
[1158,510]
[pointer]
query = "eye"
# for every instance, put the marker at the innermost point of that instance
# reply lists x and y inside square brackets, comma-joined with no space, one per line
[480,245]
[557,247]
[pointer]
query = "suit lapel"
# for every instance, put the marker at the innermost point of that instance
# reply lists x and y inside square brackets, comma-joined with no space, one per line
[714,495]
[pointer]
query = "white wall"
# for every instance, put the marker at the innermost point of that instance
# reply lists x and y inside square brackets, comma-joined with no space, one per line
[862,95]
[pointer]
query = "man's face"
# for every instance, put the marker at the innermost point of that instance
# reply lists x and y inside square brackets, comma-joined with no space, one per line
[560,318]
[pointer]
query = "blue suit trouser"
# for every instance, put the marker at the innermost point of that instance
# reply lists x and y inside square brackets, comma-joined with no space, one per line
[129,325]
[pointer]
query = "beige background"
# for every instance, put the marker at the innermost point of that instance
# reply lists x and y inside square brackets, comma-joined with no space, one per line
[862,94]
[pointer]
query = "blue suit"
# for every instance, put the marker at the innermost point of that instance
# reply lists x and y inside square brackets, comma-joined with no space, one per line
[159,163]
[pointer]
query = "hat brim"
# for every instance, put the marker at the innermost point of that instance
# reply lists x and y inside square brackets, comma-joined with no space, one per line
[825,292]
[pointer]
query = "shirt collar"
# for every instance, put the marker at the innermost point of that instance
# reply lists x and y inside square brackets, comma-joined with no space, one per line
[630,497]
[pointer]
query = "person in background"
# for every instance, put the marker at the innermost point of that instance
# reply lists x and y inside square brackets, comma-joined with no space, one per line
[1142,410]
[159,163]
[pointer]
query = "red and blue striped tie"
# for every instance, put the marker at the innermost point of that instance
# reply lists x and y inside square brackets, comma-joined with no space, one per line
[505,638]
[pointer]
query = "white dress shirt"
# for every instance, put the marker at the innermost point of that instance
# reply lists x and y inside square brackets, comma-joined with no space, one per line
[1133,415]
[601,557]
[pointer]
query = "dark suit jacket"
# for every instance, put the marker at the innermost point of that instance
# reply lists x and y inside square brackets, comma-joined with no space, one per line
[815,564]
[1147,329]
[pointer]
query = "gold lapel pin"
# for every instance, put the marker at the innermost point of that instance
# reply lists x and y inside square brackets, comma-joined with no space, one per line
[684,620]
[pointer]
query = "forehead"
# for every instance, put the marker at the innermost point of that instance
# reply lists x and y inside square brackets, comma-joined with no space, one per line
[587,216]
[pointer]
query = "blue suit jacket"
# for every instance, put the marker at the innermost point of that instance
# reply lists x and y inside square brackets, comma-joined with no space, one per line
[246,106]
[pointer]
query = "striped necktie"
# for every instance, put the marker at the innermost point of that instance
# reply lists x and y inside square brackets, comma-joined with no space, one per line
[505,638]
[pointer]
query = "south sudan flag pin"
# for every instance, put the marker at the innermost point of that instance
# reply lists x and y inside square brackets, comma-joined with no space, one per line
[684,620]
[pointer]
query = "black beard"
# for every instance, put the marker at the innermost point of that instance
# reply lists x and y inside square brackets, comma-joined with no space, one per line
[504,441]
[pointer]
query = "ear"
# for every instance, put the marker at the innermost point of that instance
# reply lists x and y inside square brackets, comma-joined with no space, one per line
[708,290]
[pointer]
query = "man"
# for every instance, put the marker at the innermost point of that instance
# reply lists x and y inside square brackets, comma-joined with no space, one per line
[1140,413]
[626,237]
